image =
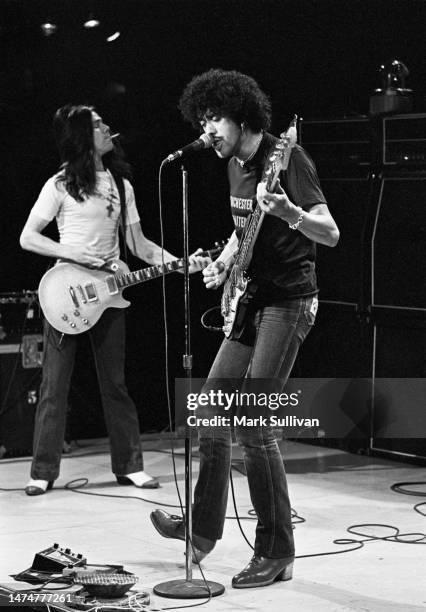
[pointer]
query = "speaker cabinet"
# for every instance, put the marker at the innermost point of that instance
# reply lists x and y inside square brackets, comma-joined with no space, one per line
[337,345]
[399,243]
[339,269]
[399,423]
[19,390]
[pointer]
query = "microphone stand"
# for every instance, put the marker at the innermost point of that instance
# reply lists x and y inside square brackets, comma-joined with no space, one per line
[188,588]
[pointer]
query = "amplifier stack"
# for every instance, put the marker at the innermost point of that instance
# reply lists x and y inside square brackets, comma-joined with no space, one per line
[21,353]
[372,316]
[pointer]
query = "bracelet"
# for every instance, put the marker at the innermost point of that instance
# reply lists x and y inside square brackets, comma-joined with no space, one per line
[295,226]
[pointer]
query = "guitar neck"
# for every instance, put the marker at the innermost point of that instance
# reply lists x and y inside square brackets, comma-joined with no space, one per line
[277,160]
[247,244]
[255,223]
[145,274]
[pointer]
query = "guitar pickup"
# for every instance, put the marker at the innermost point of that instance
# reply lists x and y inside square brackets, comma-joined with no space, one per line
[81,292]
[111,284]
[92,296]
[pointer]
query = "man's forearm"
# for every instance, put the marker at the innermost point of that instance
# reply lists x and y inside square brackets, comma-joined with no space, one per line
[151,253]
[228,254]
[43,245]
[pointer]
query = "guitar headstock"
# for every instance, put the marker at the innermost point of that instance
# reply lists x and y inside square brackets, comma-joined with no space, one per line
[280,155]
[289,138]
[216,250]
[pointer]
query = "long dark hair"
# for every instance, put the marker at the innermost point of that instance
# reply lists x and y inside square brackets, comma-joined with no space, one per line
[73,130]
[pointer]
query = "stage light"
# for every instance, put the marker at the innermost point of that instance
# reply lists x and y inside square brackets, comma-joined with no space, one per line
[91,22]
[114,36]
[48,28]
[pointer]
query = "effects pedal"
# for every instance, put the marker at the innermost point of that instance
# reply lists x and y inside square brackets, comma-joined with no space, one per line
[55,559]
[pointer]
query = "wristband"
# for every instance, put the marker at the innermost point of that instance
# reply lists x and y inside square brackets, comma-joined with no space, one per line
[295,226]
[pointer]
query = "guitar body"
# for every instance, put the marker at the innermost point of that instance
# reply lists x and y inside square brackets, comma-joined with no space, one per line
[233,306]
[73,297]
[235,323]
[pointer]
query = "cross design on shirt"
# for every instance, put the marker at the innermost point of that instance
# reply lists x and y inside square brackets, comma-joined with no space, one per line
[111,198]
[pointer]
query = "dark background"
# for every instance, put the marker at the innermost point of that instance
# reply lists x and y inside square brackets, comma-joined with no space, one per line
[316,58]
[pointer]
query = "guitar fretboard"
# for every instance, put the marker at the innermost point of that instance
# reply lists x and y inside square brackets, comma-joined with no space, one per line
[277,160]
[145,274]
[127,279]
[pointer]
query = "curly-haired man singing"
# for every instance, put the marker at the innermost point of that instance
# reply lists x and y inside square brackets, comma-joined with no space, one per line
[232,109]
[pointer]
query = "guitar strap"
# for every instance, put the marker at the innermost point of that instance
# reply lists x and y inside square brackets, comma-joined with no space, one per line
[123,210]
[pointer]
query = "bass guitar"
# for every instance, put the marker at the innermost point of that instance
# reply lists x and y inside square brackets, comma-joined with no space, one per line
[73,297]
[238,292]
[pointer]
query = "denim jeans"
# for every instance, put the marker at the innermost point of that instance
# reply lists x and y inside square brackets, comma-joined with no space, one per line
[107,339]
[279,331]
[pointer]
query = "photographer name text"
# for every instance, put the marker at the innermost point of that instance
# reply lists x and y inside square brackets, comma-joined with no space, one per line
[245,421]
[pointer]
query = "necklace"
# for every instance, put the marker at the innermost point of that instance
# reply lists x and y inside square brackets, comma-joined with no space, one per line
[243,162]
[111,196]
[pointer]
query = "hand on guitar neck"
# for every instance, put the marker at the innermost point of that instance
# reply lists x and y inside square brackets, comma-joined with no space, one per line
[198,261]
[277,203]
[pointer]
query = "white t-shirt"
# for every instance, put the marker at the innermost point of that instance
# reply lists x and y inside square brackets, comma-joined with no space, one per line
[93,222]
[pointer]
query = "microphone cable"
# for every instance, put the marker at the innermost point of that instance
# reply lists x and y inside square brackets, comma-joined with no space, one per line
[166,335]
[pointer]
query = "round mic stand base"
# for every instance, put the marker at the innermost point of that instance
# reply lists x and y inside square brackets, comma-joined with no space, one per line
[189,589]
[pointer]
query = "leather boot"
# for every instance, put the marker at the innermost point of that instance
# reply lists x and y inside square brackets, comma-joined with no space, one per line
[172,526]
[262,571]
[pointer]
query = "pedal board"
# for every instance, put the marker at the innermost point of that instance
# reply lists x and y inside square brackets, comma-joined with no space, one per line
[136,601]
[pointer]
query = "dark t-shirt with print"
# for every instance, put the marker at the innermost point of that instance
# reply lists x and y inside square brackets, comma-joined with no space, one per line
[283,263]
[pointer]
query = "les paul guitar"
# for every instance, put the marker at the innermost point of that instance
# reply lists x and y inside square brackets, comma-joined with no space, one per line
[237,291]
[73,297]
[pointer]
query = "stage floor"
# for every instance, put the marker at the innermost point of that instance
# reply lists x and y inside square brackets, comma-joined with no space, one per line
[331,489]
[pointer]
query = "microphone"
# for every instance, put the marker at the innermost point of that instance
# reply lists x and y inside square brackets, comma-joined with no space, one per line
[203,142]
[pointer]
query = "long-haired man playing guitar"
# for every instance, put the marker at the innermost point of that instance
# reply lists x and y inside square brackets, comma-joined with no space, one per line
[84,199]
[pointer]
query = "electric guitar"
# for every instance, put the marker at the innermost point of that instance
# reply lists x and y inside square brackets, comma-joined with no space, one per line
[238,292]
[73,297]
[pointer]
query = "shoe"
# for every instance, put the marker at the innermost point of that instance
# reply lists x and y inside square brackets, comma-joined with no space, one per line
[38,487]
[141,479]
[262,571]
[172,526]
